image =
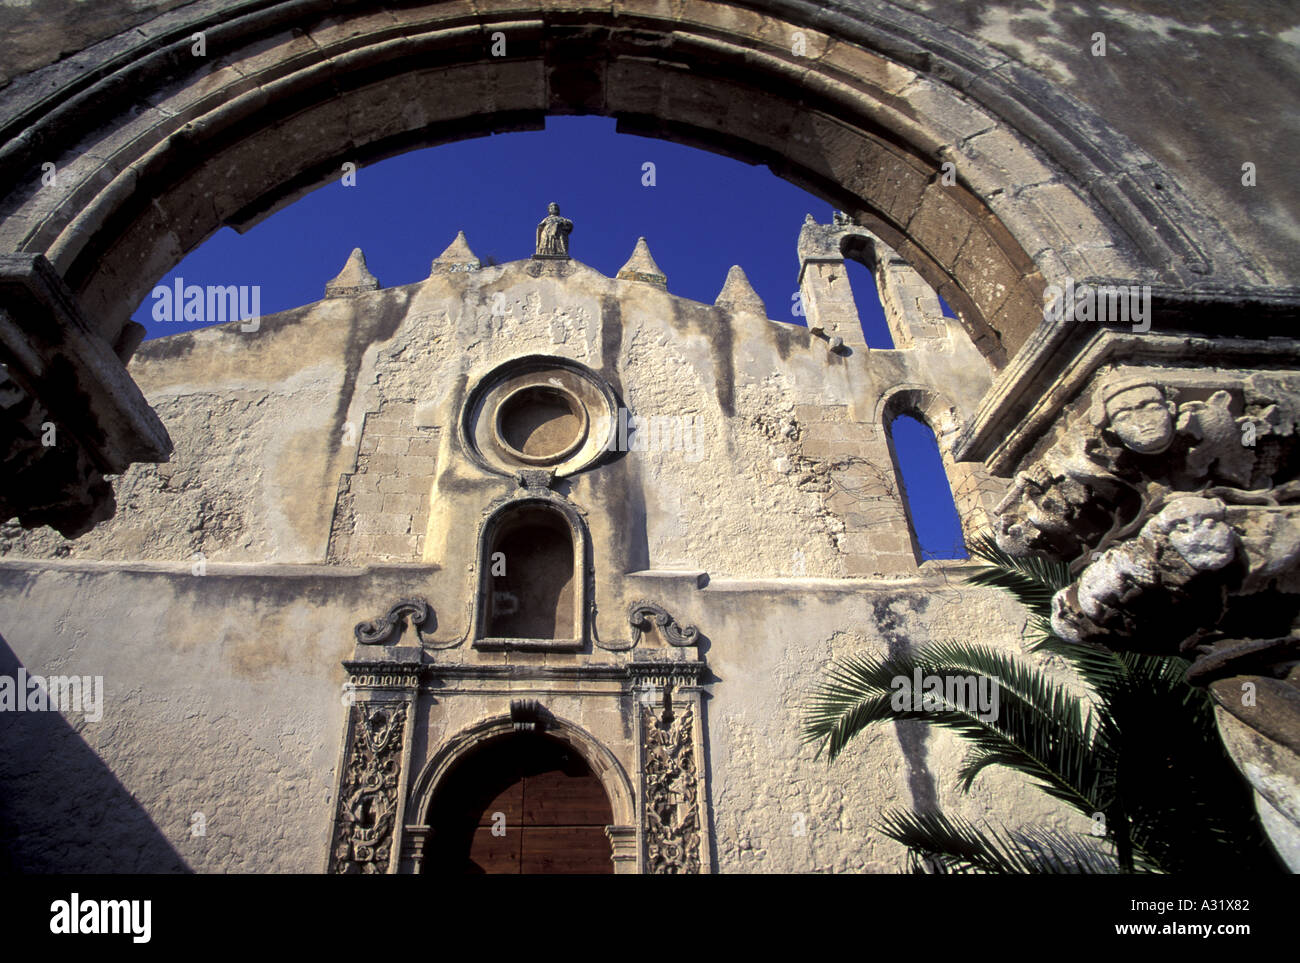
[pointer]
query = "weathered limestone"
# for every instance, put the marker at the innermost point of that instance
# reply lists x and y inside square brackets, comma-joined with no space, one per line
[641,266]
[553,234]
[457,257]
[937,135]
[739,296]
[824,285]
[968,145]
[373,458]
[353,279]
[70,413]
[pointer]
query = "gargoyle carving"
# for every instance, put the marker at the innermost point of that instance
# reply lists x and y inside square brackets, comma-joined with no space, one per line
[1180,511]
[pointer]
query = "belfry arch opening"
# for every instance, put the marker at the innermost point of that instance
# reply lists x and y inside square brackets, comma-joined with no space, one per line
[871,312]
[526,802]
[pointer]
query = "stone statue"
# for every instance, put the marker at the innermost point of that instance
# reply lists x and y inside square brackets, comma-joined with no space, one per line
[553,233]
[1197,529]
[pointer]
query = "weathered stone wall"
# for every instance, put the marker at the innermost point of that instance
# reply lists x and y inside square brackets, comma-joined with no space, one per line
[321,474]
[222,696]
[315,439]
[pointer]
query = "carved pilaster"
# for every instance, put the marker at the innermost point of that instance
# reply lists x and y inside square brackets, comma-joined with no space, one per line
[370,807]
[370,789]
[673,810]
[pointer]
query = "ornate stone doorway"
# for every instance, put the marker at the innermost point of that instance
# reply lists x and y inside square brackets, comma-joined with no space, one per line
[523,803]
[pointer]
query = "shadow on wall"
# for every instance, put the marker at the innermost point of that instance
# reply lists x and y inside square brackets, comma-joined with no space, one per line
[61,808]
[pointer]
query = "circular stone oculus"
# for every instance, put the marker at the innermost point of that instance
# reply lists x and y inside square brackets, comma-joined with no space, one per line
[541,424]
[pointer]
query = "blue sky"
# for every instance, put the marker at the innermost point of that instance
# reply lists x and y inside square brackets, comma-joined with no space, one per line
[703,213]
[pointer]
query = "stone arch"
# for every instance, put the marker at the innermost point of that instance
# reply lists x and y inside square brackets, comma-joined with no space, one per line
[156,149]
[613,777]
[974,491]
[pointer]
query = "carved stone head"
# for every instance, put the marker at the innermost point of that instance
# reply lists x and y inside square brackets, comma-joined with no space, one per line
[552,208]
[1141,415]
[1197,529]
[1112,579]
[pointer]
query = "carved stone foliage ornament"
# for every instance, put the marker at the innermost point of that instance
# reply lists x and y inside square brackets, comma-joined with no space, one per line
[672,791]
[368,789]
[1175,495]
[387,629]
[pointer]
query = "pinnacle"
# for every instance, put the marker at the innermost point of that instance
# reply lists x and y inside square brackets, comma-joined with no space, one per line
[355,277]
[739,295]
[457,257]
[641,266]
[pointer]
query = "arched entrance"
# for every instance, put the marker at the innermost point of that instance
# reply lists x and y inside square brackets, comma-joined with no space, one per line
[522,803]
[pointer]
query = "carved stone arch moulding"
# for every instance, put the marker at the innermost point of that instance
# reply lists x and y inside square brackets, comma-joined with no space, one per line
[948,85]
[532,715]
[618,786]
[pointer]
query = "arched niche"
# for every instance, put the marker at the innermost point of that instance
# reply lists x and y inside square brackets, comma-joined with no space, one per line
[533,586]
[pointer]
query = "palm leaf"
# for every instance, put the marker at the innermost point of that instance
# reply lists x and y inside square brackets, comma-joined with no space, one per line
[1040,729]
[949,844]
[1031,581]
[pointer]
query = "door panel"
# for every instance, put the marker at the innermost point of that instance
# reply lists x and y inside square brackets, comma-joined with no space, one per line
[553,812]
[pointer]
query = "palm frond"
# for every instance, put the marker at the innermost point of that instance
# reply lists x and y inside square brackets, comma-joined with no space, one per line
[1031,581]
[1144,751]
[949,844]
[1039,728]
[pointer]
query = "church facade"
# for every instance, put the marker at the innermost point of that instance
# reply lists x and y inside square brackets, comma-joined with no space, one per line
[418,544]
[305,591]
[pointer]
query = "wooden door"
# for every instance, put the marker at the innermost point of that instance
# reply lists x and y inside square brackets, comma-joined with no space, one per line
[523,804]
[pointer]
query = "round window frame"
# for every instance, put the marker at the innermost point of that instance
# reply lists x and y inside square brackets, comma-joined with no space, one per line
[476,428]
[575,406]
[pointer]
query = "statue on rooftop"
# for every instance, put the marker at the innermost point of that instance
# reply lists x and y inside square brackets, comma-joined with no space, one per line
[553,233]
